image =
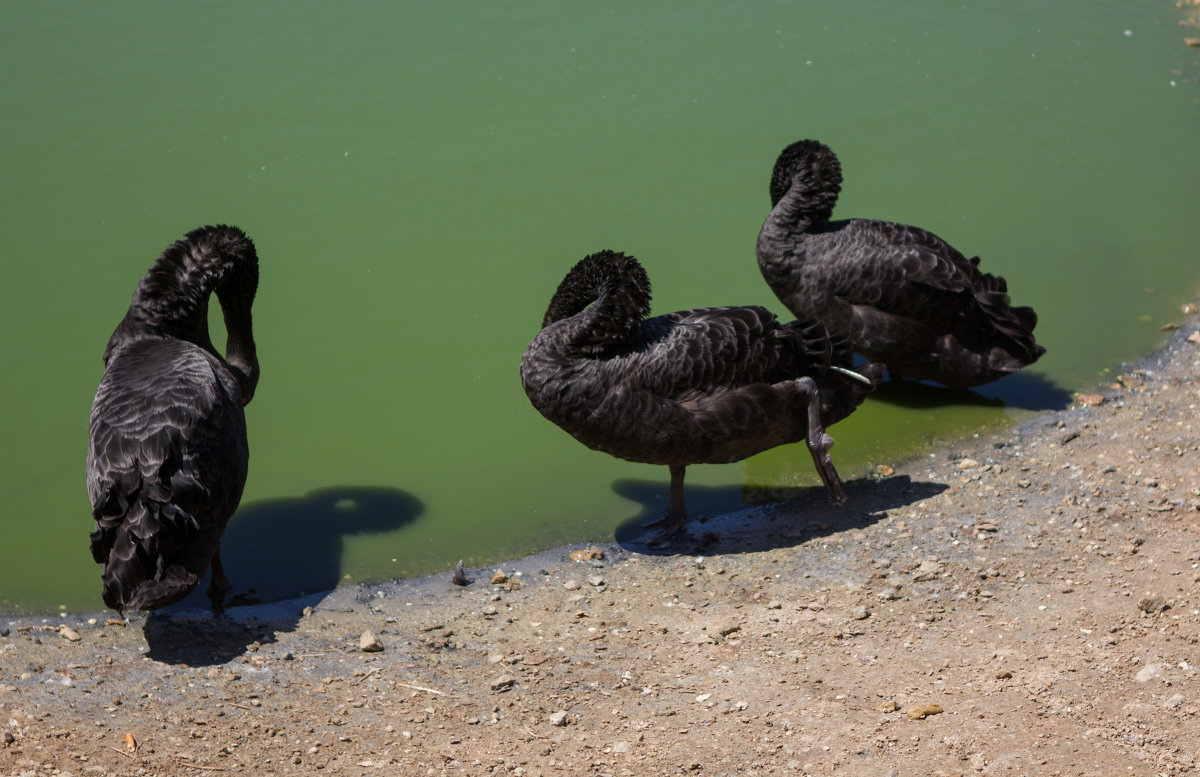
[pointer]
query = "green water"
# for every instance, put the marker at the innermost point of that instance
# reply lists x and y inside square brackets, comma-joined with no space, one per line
[419,176]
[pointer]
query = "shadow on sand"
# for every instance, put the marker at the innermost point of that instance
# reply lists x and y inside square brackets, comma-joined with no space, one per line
[720,524]
[286,551]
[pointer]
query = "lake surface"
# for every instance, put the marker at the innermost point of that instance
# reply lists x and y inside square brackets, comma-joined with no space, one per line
[418,177]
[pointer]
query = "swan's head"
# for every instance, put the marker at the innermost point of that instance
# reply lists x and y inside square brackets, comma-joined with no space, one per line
[616,278]
[809,165]
[247,378]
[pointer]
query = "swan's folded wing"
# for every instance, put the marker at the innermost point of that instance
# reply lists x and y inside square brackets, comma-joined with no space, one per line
[694,353]
[906,271]
[168,434]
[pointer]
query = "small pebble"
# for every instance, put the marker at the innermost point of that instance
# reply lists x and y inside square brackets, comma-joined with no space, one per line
[922,711]
[558,718]
[724,628]
[1151,605]
[503,683]
[572,585]
[499,577]
[927,571]
[369,643]
[860,613]
[1149,672]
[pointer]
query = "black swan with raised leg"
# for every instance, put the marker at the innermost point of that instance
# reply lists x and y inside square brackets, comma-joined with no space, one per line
[167,457]
[706,386]
[898,294]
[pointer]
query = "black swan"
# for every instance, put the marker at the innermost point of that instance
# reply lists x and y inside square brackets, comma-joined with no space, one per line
[898,294]
[167,457]
[706,386]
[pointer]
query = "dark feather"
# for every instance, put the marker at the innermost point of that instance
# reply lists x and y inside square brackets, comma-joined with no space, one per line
[898,294]
[167,457]
[712,385]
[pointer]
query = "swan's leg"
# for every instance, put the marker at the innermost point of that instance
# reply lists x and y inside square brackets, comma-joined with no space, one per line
[819,441]
[219,585]
[672,522]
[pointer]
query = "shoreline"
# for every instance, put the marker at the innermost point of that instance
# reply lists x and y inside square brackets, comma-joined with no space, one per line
[692,530]
[1027,601]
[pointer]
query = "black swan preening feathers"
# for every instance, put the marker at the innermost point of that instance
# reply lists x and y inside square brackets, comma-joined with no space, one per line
[167,457]
[705,386]
[899,294]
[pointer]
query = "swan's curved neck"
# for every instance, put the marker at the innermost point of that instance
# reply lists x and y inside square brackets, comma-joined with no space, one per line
[172,298]
[603,299]
[805,184]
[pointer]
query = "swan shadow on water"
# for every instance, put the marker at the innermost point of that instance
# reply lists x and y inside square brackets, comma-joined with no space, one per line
[799,515]
[282,551]
[1022,390]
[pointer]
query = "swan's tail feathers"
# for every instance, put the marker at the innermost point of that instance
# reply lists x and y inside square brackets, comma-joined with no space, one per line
[138,540]
[1014,325]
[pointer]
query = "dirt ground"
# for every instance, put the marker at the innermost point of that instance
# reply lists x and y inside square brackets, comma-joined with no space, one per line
[1025,603]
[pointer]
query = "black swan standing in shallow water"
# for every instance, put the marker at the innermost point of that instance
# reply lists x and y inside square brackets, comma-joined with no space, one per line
[167,458]
[899,294]
[705,386]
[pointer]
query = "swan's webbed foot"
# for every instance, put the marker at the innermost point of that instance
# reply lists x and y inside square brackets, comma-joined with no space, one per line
[671,523]
[824,465]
